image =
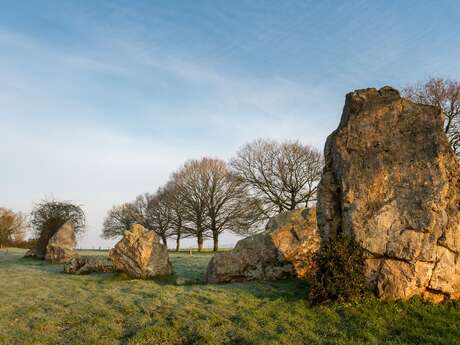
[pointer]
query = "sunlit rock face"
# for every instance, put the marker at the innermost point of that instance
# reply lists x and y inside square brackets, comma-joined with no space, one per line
[392,182]
[296,237]
[285,250]
[140,254]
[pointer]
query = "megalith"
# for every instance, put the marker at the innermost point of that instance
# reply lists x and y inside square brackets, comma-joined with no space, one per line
[392,183]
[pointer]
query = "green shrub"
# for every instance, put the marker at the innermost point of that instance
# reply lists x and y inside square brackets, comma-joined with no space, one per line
[338,272]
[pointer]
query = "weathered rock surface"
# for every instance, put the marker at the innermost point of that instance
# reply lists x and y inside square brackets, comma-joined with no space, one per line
[392,182]
[31,253]
[61,246]
[140,254]
[89,264]
[284,250]
[295,234]
[39,251]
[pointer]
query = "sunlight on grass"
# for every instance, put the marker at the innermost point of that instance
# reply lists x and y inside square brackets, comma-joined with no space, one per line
[41,305]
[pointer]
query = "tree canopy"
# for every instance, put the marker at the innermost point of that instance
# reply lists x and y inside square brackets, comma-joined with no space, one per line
[12,226]
[283,176]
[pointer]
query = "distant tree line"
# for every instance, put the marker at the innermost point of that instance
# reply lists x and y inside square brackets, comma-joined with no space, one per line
[207,196]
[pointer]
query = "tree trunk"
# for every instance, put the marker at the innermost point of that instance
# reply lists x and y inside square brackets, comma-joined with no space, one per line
[216,242]
[200,242]
[165,241]
[293,203]
[177,243]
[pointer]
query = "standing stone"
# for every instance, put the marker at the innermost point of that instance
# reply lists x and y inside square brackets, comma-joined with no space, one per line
[392,183]
[284,250]
[140,254]
[61,246]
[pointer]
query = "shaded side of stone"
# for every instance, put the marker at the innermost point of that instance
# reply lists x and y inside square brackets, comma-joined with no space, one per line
[61,246]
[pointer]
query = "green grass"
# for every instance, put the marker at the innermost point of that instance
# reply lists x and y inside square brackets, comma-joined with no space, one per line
[41,305]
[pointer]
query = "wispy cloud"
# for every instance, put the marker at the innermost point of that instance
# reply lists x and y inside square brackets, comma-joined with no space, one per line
[63,142]
[100,102]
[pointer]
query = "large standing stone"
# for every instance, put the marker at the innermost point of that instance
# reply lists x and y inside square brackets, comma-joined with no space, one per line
[61,246]
[392,182]
[140,254]
[284,250]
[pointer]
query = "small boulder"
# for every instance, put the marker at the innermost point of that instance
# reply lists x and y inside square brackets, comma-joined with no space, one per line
[284,250]
[89,264]
[61,246]
[31,253]
[140,254]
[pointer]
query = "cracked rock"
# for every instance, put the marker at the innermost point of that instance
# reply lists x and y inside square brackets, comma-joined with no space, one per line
[392,182]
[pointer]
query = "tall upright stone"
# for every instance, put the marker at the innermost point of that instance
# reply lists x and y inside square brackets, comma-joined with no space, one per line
[61,246]
[392,183]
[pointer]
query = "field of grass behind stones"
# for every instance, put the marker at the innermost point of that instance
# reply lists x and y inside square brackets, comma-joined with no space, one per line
[41,305]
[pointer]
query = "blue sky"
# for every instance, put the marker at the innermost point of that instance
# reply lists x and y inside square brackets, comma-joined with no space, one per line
[102,100]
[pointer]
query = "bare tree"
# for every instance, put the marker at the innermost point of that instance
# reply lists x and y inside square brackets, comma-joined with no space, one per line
[191,190]
[177,207]
[148,210]
[444,94]
[119,219]
[212,201]
[284,176]
[48,216]
[158,215]
[229,205]
[249,217]
[12,227]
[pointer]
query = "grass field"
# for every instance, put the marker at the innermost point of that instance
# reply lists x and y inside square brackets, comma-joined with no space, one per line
[41,305]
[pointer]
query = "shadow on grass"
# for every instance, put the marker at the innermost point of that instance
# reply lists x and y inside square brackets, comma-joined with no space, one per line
[369,320]
[190,270]
[41,265]
[288,289]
